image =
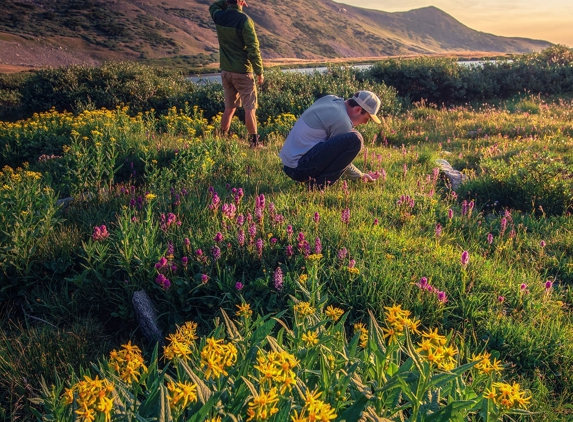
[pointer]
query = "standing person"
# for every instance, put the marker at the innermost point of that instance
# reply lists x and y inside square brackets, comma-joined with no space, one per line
[323,142]
[240,60]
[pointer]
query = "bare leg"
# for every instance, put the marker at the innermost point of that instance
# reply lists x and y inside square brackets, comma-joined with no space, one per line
[226,119]
[250,121]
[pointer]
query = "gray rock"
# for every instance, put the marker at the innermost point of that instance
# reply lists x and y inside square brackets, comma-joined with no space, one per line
[146,316]
[455,177]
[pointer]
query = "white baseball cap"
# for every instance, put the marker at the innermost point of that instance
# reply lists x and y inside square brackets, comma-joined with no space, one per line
[369,102]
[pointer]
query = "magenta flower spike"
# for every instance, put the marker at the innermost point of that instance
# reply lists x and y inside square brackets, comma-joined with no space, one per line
[316,217]
[239,286]
[489,238]
[548,284]
[278,279]
[317,245]
[465,258]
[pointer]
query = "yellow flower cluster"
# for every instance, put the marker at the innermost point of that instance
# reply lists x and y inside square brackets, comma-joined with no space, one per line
[93,398]
[353,270]
[314,257]
[486,365]
[398,319]
[507,396]
[333,313]
[303,309]
[127,362]
[276,368]
[216,356]
[17,176]
[310,338]
[244,310]
[263,406]
[314,410]
[181,394]
[361,328]
[435,350]
[181,343]
[303,278]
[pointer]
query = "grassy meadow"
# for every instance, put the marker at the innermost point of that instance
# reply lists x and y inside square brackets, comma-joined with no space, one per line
[402,299]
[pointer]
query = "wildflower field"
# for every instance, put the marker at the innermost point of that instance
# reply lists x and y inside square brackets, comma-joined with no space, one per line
[403,299]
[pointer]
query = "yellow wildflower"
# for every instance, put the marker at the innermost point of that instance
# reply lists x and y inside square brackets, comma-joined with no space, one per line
[127,362]
[333,313]
[303,309]
[262,406]
[181,394]
[244,310]
[310,338]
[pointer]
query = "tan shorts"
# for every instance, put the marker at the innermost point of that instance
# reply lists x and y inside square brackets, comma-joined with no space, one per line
[240,88]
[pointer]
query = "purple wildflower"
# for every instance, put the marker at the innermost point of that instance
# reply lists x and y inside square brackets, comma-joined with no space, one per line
[465,258]
[345,217]
[316,217]
[342,253]
[216,252]
[239,286]
[278,279]
[259,245]
[100,233]
[163,281]
[489,238]
[317,245]
[438,230]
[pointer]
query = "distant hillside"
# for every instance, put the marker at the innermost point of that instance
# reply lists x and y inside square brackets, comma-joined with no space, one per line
[48,33]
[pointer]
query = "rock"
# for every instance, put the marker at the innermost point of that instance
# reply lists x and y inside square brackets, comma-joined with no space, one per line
[455,177]
[64,201]
[146,316]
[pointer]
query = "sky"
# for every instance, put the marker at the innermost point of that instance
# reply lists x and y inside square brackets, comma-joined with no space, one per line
[549,20]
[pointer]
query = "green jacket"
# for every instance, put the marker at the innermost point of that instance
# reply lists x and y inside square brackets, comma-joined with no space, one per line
[238,43]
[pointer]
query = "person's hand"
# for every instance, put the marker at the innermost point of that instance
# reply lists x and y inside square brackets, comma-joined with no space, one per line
[371,176]
[260,79]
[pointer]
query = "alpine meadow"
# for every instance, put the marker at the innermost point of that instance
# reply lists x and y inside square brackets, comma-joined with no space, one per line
[153,269]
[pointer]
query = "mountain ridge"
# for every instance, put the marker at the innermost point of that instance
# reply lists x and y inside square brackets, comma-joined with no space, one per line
[38,33]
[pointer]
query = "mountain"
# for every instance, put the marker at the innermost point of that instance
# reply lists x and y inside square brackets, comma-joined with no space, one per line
[36,33]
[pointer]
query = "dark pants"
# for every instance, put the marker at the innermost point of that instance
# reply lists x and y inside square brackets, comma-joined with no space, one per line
[324,163]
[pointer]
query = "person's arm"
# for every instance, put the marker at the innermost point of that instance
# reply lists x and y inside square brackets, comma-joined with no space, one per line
[252,47]
[218,6]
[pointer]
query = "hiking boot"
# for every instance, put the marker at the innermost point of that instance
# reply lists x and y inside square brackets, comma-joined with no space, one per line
[255,141]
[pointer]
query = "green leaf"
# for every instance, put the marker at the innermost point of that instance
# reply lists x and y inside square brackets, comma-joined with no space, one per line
[447,413]
[354,412]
